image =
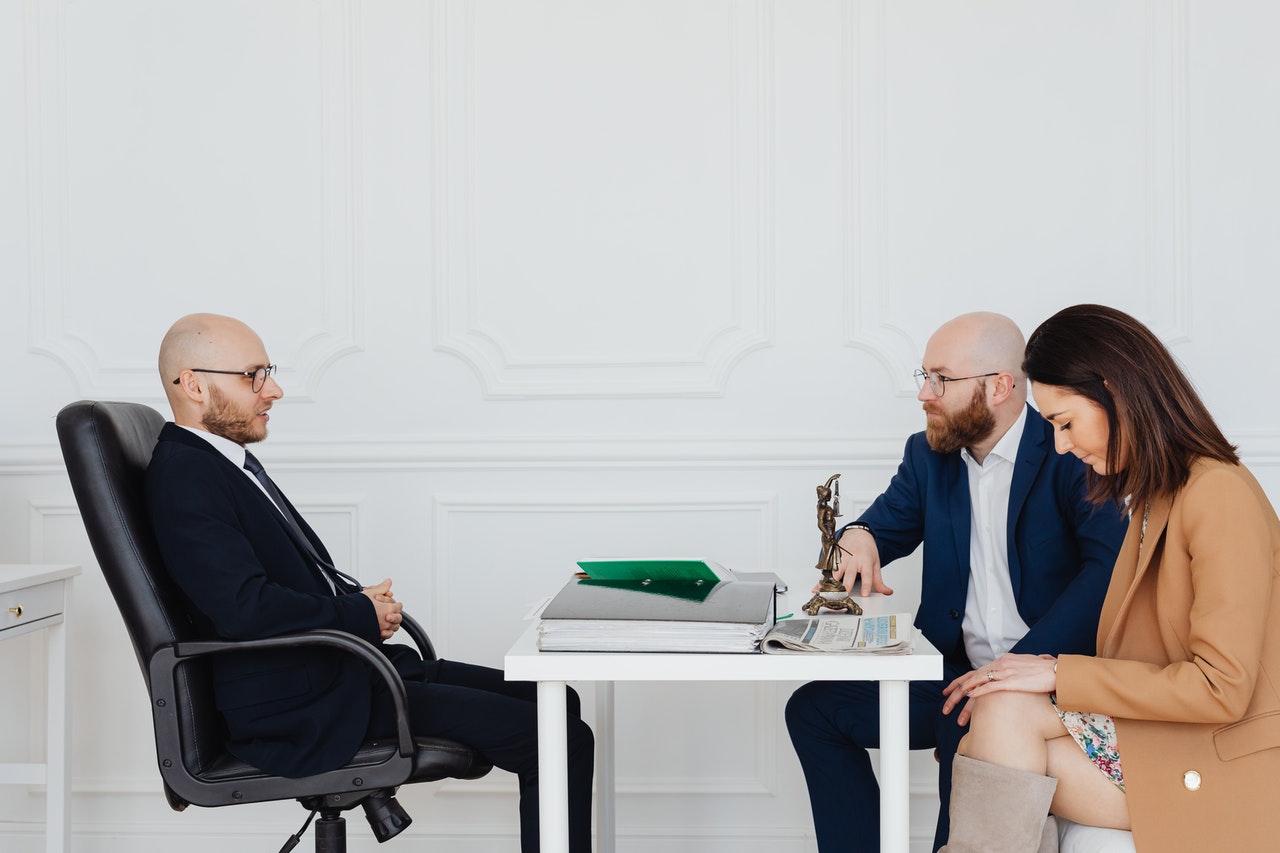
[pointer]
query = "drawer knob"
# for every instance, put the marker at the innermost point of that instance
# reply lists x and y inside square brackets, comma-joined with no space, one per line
[16,611]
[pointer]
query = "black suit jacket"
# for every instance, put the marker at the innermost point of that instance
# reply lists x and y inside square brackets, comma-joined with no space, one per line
[288,712]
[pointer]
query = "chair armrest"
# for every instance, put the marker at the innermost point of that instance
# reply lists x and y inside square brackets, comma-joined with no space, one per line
[419,636]
[168,658]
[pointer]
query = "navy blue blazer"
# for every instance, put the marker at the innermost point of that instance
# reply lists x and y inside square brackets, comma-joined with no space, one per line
[289,712]
[1061,547]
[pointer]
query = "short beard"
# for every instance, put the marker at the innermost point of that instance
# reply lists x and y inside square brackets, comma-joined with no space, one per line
[222,419]
[964,428]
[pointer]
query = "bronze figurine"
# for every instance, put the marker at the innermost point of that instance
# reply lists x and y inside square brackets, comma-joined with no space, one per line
[831,593]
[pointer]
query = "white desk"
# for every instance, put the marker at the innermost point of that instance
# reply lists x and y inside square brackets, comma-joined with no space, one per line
[36,598]
[552,671]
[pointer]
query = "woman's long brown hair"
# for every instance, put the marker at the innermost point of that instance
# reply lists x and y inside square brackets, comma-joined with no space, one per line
[1153,411]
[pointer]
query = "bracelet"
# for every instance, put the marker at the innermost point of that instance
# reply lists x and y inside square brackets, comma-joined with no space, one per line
[1055,667]
[859,526]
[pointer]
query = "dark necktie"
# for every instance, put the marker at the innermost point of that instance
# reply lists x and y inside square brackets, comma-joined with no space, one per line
[335,577]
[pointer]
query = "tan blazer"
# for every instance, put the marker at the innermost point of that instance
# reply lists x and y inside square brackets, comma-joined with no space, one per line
[1189,665]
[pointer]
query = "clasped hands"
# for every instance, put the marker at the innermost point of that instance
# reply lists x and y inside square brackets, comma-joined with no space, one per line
[1023,673]
[386,607]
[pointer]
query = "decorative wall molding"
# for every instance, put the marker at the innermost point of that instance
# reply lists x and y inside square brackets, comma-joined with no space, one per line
[50,206]
[339,454]
[39,511]
[502,370]
[344,507]
[767,733]
[873,321]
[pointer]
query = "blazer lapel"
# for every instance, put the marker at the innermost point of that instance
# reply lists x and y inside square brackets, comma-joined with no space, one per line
[956,482]
[1032,451]
[1131,565]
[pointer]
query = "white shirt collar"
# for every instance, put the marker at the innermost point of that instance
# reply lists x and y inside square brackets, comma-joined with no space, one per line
[1007,447]
[225,446]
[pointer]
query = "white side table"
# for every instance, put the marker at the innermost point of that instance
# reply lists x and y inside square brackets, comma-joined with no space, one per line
[552,671]
[37,598]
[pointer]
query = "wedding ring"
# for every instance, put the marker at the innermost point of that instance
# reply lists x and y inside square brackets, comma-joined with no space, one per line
[991,676]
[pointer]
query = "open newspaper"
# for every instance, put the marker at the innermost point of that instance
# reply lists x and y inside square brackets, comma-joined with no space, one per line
[886,633]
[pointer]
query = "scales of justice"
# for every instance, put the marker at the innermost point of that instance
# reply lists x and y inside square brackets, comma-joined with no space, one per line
[831,593]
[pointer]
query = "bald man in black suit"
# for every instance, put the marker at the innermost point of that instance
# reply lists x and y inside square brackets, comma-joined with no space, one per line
[252,567]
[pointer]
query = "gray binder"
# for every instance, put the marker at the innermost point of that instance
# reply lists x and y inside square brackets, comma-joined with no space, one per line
[657,616]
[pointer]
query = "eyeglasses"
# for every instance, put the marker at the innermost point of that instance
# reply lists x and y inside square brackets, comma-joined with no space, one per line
[938,382]
[258,377]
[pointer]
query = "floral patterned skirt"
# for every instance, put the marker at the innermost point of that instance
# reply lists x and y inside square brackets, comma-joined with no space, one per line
[1096,734]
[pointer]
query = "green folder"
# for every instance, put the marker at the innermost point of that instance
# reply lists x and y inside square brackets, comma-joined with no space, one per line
[652,570]
[691,590]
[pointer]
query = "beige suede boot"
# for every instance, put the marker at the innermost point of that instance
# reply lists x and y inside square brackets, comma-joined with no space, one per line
[997,809]
[1049,839]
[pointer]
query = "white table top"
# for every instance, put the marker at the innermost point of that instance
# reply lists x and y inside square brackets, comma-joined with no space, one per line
[525,663]
[20,576]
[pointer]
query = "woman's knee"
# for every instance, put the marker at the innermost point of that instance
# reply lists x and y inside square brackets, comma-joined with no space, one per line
[1009,711]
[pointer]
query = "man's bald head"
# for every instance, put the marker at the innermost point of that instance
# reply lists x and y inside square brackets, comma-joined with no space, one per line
[977,343]
[980,356]
[199,342]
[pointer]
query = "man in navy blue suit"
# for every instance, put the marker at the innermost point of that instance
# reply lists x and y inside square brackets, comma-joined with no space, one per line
[1015,559]
[251,567]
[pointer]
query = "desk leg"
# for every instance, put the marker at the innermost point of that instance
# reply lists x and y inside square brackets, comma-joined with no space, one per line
[57,734]
[606,818]
[895,775]
[553,767]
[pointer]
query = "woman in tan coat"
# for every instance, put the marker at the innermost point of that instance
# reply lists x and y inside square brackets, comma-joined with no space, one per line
[1173,729]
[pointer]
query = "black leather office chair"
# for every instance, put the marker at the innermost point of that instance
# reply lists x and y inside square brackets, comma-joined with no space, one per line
[107,447]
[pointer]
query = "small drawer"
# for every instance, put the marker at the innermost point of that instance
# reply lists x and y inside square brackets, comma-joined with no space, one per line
[35,602]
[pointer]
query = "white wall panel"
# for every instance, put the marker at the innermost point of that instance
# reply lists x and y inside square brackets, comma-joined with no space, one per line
[1034,143]
[227,133]
[565,267]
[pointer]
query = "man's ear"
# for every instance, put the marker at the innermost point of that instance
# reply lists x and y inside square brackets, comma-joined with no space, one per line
[190,387]
[1002,387]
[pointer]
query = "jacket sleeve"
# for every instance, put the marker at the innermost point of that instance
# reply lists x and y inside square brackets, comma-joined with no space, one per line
[1218,548]
[896,518]
[208,552]
[1070,624]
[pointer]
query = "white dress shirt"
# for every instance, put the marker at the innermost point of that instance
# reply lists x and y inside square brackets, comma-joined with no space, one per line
[234,452]
[991,622]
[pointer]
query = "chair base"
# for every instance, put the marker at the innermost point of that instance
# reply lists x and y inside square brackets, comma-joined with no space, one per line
[331,833]
[386,818]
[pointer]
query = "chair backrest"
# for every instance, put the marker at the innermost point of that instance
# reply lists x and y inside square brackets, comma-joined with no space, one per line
[107,448]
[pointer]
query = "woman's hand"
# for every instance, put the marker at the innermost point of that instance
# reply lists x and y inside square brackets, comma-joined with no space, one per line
[1024,673]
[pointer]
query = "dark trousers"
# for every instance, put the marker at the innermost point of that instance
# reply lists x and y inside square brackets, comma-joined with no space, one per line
[832,725]
[476,706]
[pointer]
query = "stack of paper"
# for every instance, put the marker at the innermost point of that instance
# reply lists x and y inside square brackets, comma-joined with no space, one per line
[673,615]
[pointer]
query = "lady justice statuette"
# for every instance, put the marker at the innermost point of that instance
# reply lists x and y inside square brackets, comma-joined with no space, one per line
[831,594]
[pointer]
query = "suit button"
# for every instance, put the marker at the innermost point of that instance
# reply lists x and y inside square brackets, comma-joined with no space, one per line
[955,614]
[1191,780]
